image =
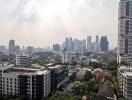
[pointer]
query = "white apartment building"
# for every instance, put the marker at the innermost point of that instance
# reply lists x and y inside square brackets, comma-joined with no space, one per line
[25,82]
[125,79]
[89,43]
[23,60]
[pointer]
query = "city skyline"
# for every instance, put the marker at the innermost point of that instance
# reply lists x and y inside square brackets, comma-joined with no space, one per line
[66,49]
[31,23]
[93,40]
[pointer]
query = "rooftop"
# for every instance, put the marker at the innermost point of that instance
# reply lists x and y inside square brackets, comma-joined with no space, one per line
[25,71]
[5,66]
[57,66]
[126,71]
[127,74]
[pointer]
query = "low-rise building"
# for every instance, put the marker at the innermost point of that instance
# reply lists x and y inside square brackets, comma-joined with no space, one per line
[81,72]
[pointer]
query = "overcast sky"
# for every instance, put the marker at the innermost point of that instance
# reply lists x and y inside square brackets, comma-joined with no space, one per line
[43,22]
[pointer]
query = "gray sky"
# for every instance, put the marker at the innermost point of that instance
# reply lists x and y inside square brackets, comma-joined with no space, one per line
[44,22]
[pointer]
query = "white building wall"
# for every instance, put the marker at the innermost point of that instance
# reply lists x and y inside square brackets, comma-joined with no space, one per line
[10,84]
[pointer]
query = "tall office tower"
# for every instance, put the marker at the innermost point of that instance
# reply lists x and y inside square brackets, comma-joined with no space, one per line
[67,44]
[104,44]
[97,44]
[89,43]
[12,46]
[97,39]
[83,46]
[125,32]
[125,48]
[76,45]
[71,44]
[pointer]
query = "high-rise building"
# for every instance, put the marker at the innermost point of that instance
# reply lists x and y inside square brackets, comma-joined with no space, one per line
[83,45]
[76,45]
[125,32]
[67,44]
[12,46]
[80,46]
[104,44]
[125,80]
[125,48]
[71,44]
[97,44]
[97,39]
[89,43]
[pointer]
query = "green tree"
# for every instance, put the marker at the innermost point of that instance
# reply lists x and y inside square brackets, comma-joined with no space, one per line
[95,64]
[64,96]
[88,75]
[73,77]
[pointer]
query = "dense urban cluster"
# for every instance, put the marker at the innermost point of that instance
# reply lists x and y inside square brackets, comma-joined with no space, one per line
[70,47]
[101,44]
[72,70]
[30,74]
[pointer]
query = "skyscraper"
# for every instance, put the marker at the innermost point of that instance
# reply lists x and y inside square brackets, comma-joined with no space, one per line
[89,43]
[12,46]
[125,32]
[104,44]
[71,44]
[83,45]
[125,48]
[67,44]
[97,39]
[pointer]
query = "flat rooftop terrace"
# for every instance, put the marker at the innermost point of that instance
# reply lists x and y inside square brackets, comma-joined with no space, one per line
[25,71]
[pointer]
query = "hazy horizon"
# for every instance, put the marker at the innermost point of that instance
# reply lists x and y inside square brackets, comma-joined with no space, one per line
[41,23]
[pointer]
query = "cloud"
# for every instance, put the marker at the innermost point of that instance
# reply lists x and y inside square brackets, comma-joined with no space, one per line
[50,21]
[26,11]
